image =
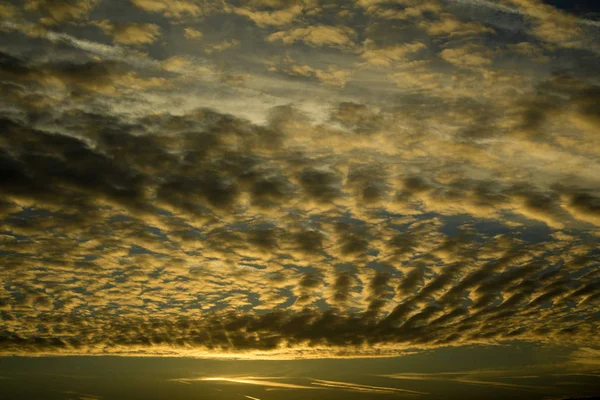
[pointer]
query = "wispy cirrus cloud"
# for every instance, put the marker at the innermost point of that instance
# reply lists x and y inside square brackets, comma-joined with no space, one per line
[365,388]
[251,380]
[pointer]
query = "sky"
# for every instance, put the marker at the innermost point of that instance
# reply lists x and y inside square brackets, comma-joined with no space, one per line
[359,197]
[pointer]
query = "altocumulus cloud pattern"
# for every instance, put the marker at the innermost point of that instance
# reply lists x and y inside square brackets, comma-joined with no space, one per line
[292,179]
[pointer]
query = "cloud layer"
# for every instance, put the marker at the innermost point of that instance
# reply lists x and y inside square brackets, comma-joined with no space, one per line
[302,184]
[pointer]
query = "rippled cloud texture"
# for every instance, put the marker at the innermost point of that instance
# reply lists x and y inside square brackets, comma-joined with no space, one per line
[295,179]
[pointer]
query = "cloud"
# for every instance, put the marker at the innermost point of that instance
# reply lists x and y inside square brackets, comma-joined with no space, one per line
[471,378]
[388,56]
[364,388]
[94,76]
[226,166]
[62,10]
[8,11]
[467,57]
[257,381]
[131,33]
[192,34]
[332,76]
[321,35]
[551,25]
[321,184]
[586,356]
[529,50]
[411,9]
[175,9]
[448,25]
[271,18]
[221,46]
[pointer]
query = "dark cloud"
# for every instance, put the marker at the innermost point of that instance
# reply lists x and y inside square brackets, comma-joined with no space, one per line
[341,287]
[379,288]
[446,294]
[412,279]
[307,241]
[370,183]
[321,184]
